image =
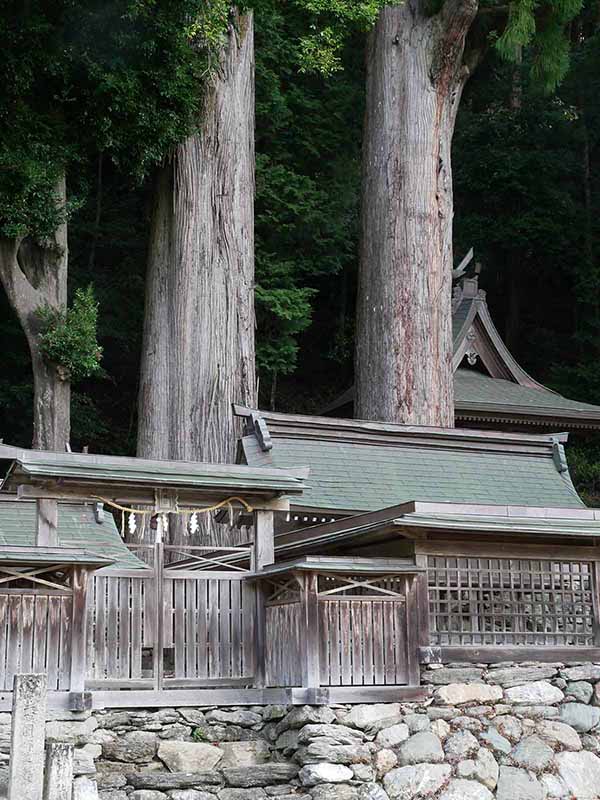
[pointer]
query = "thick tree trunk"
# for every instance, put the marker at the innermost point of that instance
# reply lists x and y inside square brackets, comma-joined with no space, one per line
[415,77]
[34,275]
[198,343]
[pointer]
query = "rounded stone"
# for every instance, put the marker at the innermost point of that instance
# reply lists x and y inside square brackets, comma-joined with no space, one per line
[393,736]
[135,746]
[541,692]
[582,691]
[559,734]
[460,745]
[532,753]
[313,774]
[422,747]
[518,784]
[579,716]
[580,772]
[419,780]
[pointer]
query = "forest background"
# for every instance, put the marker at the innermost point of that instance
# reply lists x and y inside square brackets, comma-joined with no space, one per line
[527,199]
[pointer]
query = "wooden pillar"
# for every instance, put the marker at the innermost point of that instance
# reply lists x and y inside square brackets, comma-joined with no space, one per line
[79,584]
[309,632]
[422,590]
[263,554]
[412,631]
[47,523]
[26,769]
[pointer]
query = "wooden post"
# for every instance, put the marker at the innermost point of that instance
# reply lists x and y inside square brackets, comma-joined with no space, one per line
[158,651]
[58,778]
[422,602]
[47,523]
[263,554]
[309,633]
[26,770]
[79,584]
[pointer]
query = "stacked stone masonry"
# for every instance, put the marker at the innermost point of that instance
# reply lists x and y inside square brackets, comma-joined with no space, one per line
[504,731]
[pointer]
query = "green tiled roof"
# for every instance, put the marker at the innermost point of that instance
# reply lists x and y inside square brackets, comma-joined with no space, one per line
[474,389]
[77,528]
[376,468]
[138,471]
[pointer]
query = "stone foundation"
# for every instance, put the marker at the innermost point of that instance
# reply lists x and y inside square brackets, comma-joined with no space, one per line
[526,732]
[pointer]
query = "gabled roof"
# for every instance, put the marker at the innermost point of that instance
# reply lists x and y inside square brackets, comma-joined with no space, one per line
[506,394]
[77,529]
[363,466]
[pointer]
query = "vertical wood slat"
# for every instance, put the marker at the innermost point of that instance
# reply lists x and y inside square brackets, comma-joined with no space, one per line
[367,628]
[101,666]
[333,614]
[224,628]
[53,640]
[179,627]
[201,629]
[28,612]
[39,637]
[236,630]
[4,617]
[357,642]
[378,652]
[213,629]
[15,622]
[112,627]
[124,628]
[248,617]
[388,637]
[66,639]
[191,647]
[136,628]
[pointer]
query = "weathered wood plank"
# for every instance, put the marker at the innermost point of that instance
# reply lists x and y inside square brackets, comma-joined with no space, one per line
[378,645]
[66,641]
[15,625]
[28,612]
[53,641]
[40,635]
[78,625]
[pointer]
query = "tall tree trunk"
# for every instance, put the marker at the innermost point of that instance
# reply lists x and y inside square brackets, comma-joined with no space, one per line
[415,78]
[198,343]
[34,275]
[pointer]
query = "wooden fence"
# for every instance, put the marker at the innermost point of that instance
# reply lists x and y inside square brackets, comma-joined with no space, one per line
[362,633]
[185,620]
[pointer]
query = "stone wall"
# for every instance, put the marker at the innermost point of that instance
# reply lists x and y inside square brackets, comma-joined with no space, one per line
[526,732]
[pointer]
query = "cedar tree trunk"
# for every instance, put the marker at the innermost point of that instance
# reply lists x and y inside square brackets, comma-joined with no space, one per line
[415,78]
[33,275]
[198,342]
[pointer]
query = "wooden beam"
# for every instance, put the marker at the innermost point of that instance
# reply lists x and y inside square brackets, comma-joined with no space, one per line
[492,655]
[544,550]
[46,534]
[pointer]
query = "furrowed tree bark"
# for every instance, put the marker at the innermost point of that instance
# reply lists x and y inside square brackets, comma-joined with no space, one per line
[415,78]
[33,275]
[198,342]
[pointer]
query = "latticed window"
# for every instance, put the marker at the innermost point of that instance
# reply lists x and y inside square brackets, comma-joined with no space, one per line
[515,601]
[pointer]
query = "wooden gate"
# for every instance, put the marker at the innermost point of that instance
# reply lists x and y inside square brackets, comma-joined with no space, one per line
[185,620]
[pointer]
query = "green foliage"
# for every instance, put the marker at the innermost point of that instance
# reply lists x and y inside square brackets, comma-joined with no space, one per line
[329,24]
[68,339]
[544,27]
[115,76]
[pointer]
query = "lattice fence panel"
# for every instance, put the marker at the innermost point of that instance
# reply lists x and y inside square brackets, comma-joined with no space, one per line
[516,601]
